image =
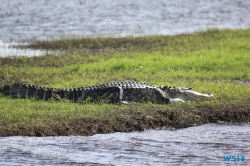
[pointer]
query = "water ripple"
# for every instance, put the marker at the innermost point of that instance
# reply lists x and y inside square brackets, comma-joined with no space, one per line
[202,145]
[28,19]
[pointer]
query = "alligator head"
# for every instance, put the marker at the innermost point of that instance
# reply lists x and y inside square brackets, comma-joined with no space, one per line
[185,94]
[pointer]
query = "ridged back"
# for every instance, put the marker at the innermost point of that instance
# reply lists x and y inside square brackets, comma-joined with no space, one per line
[114,92]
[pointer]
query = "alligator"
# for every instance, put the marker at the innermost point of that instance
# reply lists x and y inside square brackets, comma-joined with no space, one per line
[114,92]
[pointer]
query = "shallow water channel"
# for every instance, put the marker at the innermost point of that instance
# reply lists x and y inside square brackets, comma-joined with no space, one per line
[202,145]
[42,19]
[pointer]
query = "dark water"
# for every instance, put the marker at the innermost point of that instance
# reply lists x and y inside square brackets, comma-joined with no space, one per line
[44,19]
[202,145]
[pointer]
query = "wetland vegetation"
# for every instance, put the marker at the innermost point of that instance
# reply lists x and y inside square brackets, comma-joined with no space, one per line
[213,61]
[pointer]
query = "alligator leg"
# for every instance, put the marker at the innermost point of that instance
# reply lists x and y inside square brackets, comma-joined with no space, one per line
[112,94]
[156,95]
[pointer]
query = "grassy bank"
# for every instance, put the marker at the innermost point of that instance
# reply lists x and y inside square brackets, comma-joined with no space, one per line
[215,61]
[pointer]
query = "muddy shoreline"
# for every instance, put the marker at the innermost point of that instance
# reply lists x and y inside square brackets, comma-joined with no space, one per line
[134,121]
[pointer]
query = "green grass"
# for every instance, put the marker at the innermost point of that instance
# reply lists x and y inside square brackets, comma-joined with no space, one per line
[215,61]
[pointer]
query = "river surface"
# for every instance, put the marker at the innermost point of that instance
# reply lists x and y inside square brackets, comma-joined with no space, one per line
[43,19]
[202,145]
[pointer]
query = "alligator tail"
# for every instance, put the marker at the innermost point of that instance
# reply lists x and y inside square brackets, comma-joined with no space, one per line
[18,90]
[27,91]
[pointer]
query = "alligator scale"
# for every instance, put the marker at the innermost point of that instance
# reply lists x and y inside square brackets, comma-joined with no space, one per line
[114,92]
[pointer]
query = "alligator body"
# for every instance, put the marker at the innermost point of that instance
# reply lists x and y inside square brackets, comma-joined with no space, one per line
[110,92]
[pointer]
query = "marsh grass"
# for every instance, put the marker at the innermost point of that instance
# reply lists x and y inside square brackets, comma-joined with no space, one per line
[215,61]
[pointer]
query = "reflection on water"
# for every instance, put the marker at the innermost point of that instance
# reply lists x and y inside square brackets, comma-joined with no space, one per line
[202,145]
[43,19]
